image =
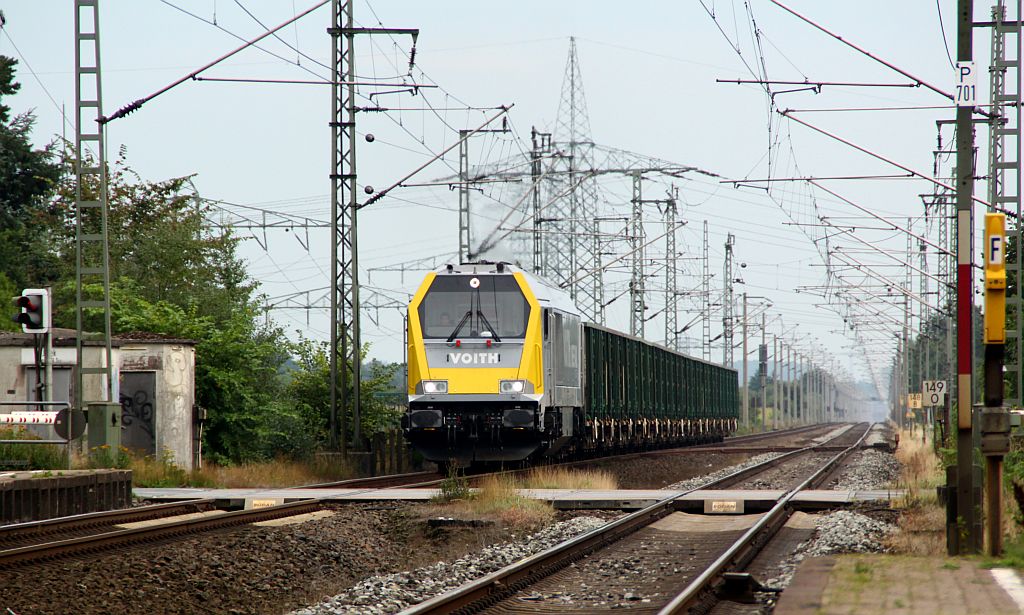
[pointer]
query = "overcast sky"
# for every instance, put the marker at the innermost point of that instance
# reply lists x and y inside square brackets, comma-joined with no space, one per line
[649,73]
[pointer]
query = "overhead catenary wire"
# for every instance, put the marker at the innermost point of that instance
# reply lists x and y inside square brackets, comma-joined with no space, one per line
[137,104]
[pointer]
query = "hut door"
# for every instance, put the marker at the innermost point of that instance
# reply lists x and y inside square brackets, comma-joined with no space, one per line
[138,412]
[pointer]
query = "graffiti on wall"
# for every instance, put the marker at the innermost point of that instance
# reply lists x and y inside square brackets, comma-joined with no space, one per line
[138,412]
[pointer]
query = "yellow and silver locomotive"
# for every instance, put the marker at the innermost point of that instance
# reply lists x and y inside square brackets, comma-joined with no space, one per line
[502,369]
[479,339]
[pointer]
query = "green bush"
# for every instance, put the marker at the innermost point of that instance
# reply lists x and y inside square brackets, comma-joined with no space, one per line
[30,456]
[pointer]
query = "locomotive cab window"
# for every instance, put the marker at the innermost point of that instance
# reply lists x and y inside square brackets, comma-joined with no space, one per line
[482,306]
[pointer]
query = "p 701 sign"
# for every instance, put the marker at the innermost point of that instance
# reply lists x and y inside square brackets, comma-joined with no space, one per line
[966,93]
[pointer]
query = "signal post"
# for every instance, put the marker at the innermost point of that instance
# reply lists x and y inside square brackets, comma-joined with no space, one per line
[35,316]
[995,420]
[963,513]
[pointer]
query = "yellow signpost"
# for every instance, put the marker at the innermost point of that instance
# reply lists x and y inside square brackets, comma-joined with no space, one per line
[995,421]
[995,278]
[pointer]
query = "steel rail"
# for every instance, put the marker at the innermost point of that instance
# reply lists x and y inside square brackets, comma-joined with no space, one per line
[746,547]
[172,529]
[122,537]
[362,482]
[767,435]
[503,583]
[372,481]
[73,523]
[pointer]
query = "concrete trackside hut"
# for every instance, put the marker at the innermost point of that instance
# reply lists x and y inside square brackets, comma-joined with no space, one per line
[156,387]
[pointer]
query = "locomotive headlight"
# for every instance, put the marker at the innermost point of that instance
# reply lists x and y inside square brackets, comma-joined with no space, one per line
[512,386]
[435,386]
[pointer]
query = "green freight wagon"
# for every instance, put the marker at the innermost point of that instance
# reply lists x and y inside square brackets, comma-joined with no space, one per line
[642,395]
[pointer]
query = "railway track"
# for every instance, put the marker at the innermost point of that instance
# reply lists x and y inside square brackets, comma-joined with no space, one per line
[174,528]
[409,480]
[414,480]
[49,530]
[701,592]
[550,582]
[41,541]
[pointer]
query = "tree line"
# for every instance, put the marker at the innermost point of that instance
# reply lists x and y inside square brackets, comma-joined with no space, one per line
[173,274]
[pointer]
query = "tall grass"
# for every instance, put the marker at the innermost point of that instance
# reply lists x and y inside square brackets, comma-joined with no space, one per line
[152,471]
[498,496]
[922,524]
[920,468]
[561,478]
[161,471]
[279,473]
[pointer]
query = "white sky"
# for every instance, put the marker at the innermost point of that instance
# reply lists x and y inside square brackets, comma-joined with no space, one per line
[649,71]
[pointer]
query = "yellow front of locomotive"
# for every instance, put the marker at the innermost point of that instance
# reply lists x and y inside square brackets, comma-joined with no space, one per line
[475,365]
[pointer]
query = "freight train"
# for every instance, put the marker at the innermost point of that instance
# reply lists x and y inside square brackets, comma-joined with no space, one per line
[502,368]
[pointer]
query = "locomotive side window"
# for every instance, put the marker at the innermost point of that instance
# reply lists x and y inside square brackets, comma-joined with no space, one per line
[572,346]
[485,306]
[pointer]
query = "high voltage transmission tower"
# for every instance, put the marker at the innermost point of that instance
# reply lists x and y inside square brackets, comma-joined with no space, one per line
[562,213]
[567,248]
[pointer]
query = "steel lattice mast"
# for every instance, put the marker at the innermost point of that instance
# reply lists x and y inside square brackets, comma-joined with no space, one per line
[92,259]
[728,358]
[346,348]
[671,278]
[1004,183]
[706,299]
[345,335]
[637,238]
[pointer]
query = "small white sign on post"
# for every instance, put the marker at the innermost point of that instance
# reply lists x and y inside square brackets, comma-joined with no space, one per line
[934,399]
[933,386]
[966,92]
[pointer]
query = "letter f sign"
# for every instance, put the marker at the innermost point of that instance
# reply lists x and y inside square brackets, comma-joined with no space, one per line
[995,250]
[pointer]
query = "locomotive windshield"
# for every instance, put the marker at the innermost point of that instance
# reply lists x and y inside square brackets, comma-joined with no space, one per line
[484,306]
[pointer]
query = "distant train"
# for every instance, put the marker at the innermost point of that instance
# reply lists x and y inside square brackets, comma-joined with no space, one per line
[502,369]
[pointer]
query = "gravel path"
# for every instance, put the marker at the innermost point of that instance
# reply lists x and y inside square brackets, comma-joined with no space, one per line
[392,593]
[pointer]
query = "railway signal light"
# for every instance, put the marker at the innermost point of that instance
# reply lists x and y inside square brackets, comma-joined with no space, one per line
[34,314]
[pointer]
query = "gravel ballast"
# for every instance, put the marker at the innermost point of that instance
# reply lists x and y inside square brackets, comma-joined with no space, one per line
[245,570]
[394,592]
[845,531]
[699,481]
[837,532]
[868,469]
